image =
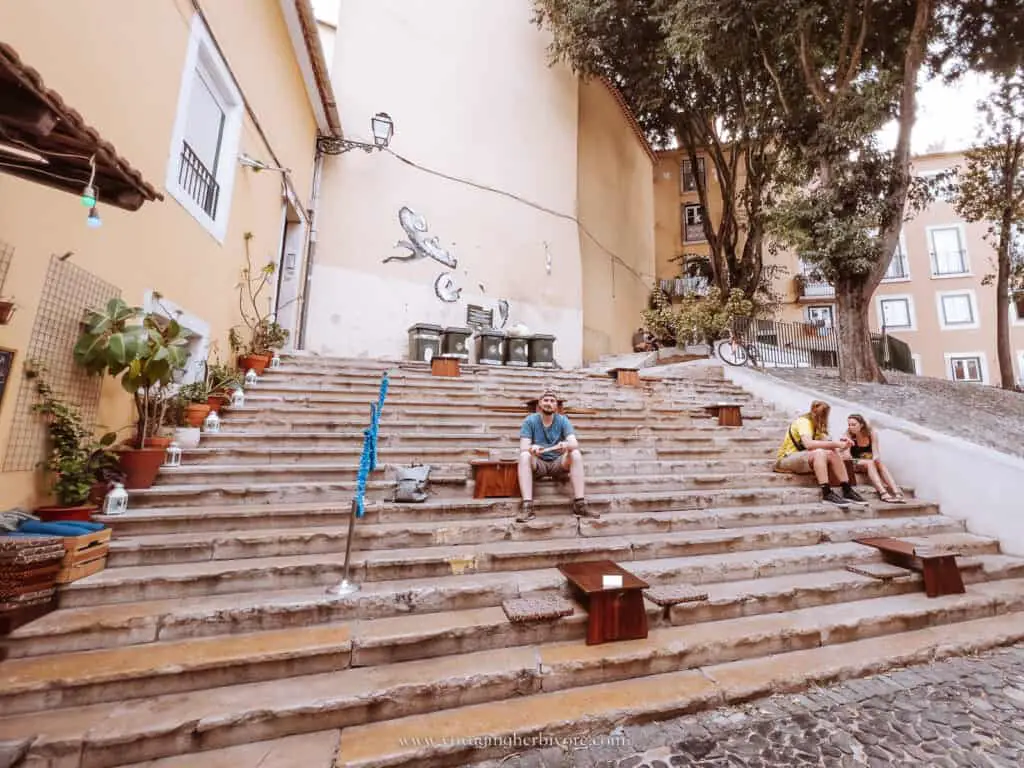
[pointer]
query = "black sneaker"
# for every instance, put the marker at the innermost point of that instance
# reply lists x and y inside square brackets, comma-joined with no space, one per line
[580,509]
[526,513]
[852,495]
[834,498]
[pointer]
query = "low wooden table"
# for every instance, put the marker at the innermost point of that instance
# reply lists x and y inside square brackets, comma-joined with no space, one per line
[445,365]
[939,569]
[615,613]
[728,414]
[625,377]
[495,478]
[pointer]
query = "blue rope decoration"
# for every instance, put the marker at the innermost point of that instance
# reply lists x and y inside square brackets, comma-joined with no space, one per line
[368,459]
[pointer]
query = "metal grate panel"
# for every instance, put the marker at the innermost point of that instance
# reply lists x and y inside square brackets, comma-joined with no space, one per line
[69,290]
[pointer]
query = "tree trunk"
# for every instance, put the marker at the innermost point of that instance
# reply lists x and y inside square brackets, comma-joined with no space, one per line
[856,354]
[1003,304]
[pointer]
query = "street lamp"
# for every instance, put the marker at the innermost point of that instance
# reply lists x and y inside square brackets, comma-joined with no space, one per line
[382,126]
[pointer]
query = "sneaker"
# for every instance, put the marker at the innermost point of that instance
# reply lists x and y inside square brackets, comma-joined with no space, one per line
[852,495]
[526,513]
[834,498]
[580,509]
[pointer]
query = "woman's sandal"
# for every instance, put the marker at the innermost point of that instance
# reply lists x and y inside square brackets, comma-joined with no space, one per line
[888,498]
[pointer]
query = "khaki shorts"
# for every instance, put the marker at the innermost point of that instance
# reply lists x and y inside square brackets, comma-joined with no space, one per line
[556,469]
[798,463]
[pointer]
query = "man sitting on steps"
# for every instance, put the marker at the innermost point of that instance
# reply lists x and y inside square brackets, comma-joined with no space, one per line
[548,448]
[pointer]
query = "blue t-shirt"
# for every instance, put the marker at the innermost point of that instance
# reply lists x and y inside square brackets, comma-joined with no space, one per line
[546,437]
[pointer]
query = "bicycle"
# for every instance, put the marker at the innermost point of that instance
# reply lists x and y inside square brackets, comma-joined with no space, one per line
[732,351]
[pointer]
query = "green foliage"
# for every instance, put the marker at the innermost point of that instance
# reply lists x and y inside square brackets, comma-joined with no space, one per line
[264,333]
[222,378]
[75,459]
[196,392]
[699,319]
[145,350]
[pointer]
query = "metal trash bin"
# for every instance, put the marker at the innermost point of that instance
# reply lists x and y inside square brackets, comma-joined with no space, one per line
[517,351]
[424,342]
[490,346]
[455,343]
[542,351]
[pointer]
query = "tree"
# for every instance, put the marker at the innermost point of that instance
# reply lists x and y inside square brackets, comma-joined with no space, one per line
[990,188]
[701,100]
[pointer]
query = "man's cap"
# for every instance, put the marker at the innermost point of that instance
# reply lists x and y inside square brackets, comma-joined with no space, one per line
[548,392]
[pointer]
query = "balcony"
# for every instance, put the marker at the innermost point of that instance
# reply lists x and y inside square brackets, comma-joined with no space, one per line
[812,287]
[682,287]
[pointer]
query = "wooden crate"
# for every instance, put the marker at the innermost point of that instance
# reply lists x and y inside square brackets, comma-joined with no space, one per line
[84,556]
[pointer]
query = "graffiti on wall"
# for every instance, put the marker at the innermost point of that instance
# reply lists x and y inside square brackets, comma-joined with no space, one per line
[421,246]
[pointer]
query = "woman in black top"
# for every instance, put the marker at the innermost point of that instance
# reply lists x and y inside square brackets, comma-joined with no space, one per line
[864,453]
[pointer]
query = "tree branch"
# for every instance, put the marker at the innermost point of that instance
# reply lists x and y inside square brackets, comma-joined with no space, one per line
[844,43]
[768,65]
[858,51]
[812,78]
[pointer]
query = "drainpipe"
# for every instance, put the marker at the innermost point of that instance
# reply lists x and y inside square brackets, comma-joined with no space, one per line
[311,241]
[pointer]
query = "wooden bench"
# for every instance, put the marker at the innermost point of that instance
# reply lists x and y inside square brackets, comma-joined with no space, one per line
[495,478]
[938,568]
[445,365]
[728,414]
[614,613]
[625,377]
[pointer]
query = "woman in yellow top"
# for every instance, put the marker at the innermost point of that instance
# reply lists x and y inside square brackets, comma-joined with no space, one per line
[807,449]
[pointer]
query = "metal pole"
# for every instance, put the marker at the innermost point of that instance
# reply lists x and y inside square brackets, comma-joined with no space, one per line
[347,587]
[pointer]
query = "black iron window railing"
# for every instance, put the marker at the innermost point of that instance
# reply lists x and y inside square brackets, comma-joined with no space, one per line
[197,181]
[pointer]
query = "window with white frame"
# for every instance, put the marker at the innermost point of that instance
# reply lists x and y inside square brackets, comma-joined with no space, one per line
[948,251]
[693,224]
[957,309]
[207,130]
[966,368]
[918,364]
[941,182]
[820,316]
[896,312]
[688,182]
[899,268]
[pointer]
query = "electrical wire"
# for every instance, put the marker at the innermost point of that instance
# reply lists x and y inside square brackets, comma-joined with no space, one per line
[646,280]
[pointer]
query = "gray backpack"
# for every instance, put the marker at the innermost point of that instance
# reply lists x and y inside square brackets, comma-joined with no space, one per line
[412,483]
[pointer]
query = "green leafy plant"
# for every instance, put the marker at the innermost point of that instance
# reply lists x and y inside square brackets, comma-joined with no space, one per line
[145,350]
[701,319]
[264,333]
[75,460]
[196,392]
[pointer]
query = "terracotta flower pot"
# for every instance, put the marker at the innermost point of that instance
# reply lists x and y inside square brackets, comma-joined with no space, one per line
[97,493]
[6,311]
[195,413]
[141,466]
[216,402]
[257,363]
[53,514]
[157,442]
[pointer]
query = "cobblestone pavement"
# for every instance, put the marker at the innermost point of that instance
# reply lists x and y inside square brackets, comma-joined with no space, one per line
[984,415]
[959,712]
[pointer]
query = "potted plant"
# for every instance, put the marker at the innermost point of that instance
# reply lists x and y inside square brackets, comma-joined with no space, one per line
[220,381]
[146,351]
[192,399]
[76,462]
[7,307]
[253,342]
[185,435]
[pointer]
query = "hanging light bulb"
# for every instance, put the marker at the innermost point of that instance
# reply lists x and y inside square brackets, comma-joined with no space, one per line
[94,221]
[89,196]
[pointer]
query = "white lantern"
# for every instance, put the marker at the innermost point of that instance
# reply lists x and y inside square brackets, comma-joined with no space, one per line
[251,377]
[238,398]
[275,361]
[211,423]
[173,456]
[116,502]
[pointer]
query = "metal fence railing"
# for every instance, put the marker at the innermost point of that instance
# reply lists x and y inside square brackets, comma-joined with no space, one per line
[803,345]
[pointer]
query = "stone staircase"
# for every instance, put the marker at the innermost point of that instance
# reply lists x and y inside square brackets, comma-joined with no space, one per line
[209,641]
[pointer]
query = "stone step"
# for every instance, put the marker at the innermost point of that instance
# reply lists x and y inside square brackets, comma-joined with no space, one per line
[454,484]
[494,730]
[307,750]
[116,733]
[736,588]
[163,549]
[141,519]
[158,582]
[82,678]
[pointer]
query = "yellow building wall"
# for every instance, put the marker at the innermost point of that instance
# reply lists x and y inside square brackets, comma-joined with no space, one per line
[120,63]
[616,214]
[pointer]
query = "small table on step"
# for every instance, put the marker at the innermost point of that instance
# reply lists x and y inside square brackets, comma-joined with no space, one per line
[495,478]
[938,568]
[625,377]
[615,613]
[445,365]
[728,414]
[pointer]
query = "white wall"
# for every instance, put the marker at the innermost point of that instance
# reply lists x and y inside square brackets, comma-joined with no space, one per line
[972,483]
[471,94]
